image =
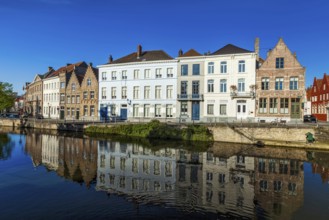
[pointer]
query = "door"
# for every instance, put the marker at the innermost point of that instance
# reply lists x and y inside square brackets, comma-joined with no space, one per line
[241,109]
[103,113]
[78,114]
[195,111]
[61,114]
[295,108]
[123,114]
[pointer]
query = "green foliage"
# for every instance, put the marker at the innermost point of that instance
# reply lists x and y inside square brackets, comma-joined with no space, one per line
[6,147]
[156,130]
[6,96]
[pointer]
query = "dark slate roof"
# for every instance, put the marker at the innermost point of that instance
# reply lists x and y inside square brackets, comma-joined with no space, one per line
[146,56]
[191,53]
[230,49]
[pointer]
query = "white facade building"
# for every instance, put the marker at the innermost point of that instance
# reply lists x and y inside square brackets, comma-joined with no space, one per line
[140,86]
[51,97]
[229,84]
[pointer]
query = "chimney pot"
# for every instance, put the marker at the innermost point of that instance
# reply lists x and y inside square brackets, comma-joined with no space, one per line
[180,52]
[139,50]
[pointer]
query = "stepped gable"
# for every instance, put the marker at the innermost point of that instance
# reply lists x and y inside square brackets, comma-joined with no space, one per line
[230,49]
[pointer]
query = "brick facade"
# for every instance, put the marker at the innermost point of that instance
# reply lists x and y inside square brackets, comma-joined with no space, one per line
[280,84]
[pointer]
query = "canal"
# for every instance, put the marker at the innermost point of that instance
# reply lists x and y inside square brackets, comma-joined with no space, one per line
[72,176]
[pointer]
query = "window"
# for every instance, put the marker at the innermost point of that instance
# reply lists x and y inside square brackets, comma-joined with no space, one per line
[223,67]
[146,92]
[170,72]
[62,85]
[293,85]
[242,66]
[210,85]
[169,111]
[104,76]
[124,74]
[196,69]
[283,167]
[273,105]
[195,87]
[265,83]
[271,166]
[136,74]
[92,110]
[146,110]
[85,95]
[68,100]
[261,165]
[114,75]
[223,85]
[183,108]
[78,99]
[88,82]
[210,109]
[279,83]
[103,92]
[73,99]
[68,111]
[284,105]
[158,73]
[241,85]
[62,98]
[124,92]
[158,92]
[210,67]
[263,105]
[263,185]
[169,92]
[222,109]
[158,111]
[92,94]
[184,87]
[114,92]
[279,63]
[146,73]
[73,86]
[136,92]
[292,187]
[135,110]
[184,70]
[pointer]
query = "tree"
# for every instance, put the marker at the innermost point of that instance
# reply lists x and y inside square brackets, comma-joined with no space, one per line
[7,97]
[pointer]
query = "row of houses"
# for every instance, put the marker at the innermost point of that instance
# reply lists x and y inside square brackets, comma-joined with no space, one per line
[318,96]
[230,83]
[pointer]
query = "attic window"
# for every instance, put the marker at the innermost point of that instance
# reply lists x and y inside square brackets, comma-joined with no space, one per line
[73,86]
[324,86]
[88,82]
[279,63]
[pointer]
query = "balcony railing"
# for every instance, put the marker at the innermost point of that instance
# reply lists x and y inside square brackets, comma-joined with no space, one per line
[243,95]
[192,97]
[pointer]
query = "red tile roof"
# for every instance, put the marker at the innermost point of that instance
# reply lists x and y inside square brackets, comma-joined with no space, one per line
[191,53]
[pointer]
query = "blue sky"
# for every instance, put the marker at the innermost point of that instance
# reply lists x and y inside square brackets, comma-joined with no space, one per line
[36,34]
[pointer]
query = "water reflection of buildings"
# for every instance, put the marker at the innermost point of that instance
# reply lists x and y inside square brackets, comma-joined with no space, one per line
[234,181]
[135,170]
[71,157]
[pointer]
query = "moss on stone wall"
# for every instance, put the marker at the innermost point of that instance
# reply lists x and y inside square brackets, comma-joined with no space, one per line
[156,130]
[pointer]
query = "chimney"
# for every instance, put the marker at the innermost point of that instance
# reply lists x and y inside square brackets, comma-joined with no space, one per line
[139,50]
[49,68]
[257,48]
[68,64]
[180,52]
[90,64]
[110,59]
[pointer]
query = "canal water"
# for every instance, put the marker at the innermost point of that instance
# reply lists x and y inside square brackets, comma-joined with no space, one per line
[71,176]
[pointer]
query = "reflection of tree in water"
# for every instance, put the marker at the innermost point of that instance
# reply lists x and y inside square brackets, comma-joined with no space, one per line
[6,147]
